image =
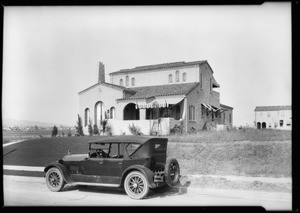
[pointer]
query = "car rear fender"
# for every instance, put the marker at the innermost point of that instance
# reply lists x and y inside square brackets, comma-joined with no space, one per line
[147,172]
[62,169]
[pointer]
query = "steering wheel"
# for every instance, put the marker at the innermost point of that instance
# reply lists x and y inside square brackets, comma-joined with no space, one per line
[100,153]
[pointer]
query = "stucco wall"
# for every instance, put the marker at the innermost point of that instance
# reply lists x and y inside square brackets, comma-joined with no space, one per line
[103,93]
[272,119]
[120,127]
[157,77]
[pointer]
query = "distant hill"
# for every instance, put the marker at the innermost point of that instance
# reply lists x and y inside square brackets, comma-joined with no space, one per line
[25,123]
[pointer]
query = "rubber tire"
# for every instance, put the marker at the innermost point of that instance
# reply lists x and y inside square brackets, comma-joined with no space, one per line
[172,162]
[144,180]
[61,180]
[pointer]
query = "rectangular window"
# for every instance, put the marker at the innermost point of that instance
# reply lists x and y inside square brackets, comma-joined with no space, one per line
[127,81]
[210,84]
[201,81]
[192,113]
[177,76]
[184,77]
[203,111]
[223,118]
[230,118]
[170,78]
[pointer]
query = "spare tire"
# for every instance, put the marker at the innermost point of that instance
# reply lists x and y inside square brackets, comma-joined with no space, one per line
[172,172]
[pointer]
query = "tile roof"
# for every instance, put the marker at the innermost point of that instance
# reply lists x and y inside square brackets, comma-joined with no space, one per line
[159,66]
[162,90]
[272,108]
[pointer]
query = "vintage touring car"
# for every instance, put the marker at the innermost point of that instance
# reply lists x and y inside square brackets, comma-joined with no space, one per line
[137,163]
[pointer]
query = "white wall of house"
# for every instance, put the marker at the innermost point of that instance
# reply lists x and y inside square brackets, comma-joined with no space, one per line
[157,77]
[274,119]
[120,127]
[89,98]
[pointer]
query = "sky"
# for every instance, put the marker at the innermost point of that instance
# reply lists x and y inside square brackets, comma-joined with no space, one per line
[50,53]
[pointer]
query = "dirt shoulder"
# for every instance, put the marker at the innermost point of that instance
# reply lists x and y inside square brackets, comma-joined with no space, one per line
[267,184]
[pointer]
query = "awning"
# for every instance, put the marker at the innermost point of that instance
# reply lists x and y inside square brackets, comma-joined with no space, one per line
[211,108]
[160,102]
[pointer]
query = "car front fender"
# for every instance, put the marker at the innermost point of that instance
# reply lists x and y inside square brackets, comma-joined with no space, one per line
[146,171]
[62,169]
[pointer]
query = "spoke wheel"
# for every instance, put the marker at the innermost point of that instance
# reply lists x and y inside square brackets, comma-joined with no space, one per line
[136,185]
[54,179]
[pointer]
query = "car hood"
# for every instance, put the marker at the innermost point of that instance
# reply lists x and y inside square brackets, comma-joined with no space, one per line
[76,157]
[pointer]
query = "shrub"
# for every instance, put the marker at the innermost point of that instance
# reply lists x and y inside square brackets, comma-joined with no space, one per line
[103,123]
[54,131]
[135,130]
[176,129]
[69,133]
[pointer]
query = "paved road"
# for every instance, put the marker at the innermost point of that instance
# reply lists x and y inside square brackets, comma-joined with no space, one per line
[32,191]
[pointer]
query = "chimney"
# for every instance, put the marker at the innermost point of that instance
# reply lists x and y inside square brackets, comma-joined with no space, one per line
[101,77]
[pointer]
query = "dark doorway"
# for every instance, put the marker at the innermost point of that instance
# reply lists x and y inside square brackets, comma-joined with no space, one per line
[263,126]
[258,125]
[131,113]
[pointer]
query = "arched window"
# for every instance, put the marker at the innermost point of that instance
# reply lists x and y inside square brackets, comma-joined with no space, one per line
[112,113]
[184,77]
[127,81]
[170,78]
[86,116]
[132,81]
[121,82]
[177,76]
[98,112]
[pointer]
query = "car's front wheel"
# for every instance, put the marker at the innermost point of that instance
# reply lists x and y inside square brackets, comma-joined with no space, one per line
[54,179]
[136,185]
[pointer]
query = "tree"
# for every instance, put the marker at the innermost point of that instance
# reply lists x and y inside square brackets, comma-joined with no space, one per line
[96,130]
[54,131]
[79,127]
[103,123]
[90,127]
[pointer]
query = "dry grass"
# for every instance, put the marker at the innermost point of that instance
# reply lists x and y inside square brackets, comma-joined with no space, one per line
[246,134]
[270,159]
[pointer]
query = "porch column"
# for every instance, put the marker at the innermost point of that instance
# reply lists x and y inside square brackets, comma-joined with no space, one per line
[142,114]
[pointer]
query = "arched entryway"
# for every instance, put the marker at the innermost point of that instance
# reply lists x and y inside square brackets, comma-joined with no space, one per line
[258,125]
[263,125]
[130,112]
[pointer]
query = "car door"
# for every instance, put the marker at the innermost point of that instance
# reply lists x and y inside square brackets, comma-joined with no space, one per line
[114,165]
[93,166]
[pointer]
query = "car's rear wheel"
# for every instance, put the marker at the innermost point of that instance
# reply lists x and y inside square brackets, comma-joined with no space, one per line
[54,179]
[136,185]
[172,172]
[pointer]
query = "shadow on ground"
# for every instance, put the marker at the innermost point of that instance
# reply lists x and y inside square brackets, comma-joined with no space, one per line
[172,191]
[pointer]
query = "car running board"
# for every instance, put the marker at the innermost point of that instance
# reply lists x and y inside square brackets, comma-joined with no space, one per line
[95,184]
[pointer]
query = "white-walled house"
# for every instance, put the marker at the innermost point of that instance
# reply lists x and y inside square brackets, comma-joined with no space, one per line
[273,117]
[155,98]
